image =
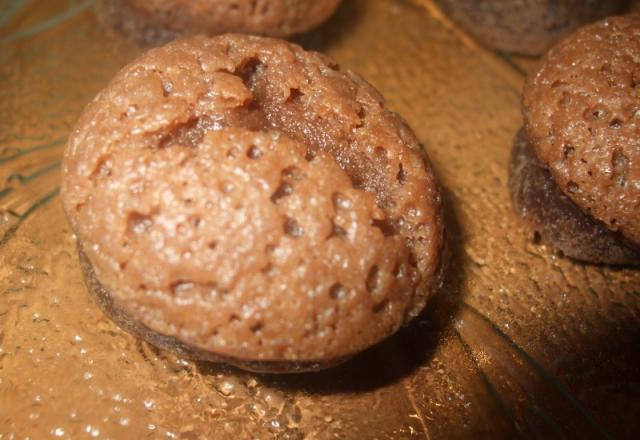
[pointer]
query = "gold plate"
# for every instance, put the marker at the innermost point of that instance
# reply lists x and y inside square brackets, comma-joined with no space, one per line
[519,342]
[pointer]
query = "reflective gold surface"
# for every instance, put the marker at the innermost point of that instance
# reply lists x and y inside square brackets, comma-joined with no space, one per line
[518,342]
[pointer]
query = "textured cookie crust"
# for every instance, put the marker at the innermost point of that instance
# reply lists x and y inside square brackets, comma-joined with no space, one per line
[252,200]
[154,22]
[128,322]
[527,27]
[553,219]
[582,115]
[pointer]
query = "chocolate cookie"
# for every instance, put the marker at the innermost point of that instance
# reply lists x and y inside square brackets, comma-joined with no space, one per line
[237,198]
[526,27]
[553,219]
[575,167]
[153,22]
[582,116]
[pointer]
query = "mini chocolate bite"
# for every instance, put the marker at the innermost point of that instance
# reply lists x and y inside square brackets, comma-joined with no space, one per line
[525,27]
[154,22]
[581,111]
[239,199]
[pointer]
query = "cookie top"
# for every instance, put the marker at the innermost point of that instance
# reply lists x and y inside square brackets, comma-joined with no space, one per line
[255,200]
[266,17]
[582,114]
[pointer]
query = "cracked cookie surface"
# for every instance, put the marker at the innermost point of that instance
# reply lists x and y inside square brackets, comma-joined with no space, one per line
[254,201]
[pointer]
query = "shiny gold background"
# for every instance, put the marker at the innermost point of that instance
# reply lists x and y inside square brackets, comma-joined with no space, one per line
[518,342]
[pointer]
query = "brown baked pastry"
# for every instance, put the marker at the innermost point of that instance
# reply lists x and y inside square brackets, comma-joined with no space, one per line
[553,219]
[581,112]
[526,27]
[237,198]
[154,22]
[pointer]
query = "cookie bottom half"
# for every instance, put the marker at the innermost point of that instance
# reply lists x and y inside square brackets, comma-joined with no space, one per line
[553,219]
[130,324]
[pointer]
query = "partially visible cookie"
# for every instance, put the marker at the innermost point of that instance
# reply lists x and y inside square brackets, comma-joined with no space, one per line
[553,219]
[240,199]
[526,27]
[582,116]
[154,22]
[575,166]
